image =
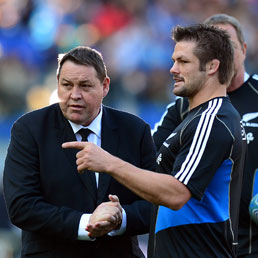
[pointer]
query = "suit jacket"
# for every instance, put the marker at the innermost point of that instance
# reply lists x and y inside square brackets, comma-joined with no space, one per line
[46,196]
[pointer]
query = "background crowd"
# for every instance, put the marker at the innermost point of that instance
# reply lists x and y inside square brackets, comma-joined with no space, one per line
[134,38]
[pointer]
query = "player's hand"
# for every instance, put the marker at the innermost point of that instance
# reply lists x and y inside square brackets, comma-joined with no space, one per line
[90,156]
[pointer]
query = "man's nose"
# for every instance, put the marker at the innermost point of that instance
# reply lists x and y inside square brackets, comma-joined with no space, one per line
[76,92]
[174,69]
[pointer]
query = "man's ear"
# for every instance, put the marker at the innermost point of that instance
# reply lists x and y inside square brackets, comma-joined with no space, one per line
[244,47]
[106,84]
[212,66]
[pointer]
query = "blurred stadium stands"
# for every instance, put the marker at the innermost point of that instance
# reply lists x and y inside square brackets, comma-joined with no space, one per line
[134,38]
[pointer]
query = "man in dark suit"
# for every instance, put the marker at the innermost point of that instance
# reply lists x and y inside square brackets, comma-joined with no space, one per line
[63,213]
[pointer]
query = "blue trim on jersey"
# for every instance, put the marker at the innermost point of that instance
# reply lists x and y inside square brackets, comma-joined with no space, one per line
[255,185]
[213,208]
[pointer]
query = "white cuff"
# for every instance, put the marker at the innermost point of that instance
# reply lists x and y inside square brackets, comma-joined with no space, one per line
[122,228]
[82,232]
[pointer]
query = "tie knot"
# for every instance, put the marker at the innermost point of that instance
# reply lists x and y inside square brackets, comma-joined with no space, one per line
[84,132]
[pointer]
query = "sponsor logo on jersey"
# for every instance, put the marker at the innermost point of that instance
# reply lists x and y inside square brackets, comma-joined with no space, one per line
[170,136]
[243,134]
[249,137]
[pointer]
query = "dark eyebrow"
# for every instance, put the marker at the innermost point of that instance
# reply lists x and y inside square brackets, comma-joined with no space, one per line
[181,57]
[83,81]
[86,81]
[63,79]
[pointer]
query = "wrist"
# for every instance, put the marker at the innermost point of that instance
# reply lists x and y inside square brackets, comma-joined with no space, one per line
[113,165]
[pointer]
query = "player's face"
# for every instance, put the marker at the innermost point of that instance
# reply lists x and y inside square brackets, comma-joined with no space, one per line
[80,92]
[239,50]
[186,70]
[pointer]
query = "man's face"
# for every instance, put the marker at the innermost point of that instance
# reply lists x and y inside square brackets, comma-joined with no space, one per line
[80,92]
[239,51]
[186,70]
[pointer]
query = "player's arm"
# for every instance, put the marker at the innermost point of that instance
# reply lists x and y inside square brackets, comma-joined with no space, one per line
[157,188]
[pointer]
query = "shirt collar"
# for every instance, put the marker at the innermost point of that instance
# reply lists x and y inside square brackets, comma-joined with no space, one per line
[246,77]
[94,126]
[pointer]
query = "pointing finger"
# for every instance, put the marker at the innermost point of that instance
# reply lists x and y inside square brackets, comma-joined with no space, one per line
[75,145]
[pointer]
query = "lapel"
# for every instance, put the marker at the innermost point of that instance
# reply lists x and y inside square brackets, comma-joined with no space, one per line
[109,142]
[65,134]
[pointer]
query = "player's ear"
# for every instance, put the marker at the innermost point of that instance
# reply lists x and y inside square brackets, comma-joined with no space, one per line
[212,66]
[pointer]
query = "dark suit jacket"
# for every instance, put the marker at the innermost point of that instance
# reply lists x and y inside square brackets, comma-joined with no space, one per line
[46,196]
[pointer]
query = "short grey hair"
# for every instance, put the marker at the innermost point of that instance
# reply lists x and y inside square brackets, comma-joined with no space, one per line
[222,18]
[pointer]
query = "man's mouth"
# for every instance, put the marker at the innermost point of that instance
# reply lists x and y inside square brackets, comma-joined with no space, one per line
[178,80]
[76,107]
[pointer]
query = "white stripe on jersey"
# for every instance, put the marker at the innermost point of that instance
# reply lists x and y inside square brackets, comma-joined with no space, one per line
[199,142]
[255,76]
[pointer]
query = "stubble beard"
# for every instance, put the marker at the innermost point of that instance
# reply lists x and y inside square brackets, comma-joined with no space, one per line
[189,90]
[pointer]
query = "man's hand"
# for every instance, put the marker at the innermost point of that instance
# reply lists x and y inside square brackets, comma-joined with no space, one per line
[90,156]
[106,217]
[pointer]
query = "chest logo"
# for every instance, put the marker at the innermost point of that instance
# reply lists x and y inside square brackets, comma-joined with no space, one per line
[248,117]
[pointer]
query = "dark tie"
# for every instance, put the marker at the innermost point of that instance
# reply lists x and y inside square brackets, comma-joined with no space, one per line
[84,132]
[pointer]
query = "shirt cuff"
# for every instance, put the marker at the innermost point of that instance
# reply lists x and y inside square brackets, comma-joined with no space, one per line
[122,228]
[83,234]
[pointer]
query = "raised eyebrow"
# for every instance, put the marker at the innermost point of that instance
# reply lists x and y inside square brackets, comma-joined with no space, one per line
[85,81]
[64,80]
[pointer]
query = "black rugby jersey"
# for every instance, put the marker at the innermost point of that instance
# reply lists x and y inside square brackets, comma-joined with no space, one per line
[245,100]
[205,153]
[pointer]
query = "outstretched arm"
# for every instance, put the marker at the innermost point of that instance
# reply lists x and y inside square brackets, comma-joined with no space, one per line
[157,188]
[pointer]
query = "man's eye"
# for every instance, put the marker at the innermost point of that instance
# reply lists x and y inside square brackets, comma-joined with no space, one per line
[85,86]
[66,84]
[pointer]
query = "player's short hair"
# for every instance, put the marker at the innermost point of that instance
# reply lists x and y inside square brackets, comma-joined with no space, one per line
[211,43]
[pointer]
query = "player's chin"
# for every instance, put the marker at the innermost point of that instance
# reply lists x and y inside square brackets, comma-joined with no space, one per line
[178,90]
